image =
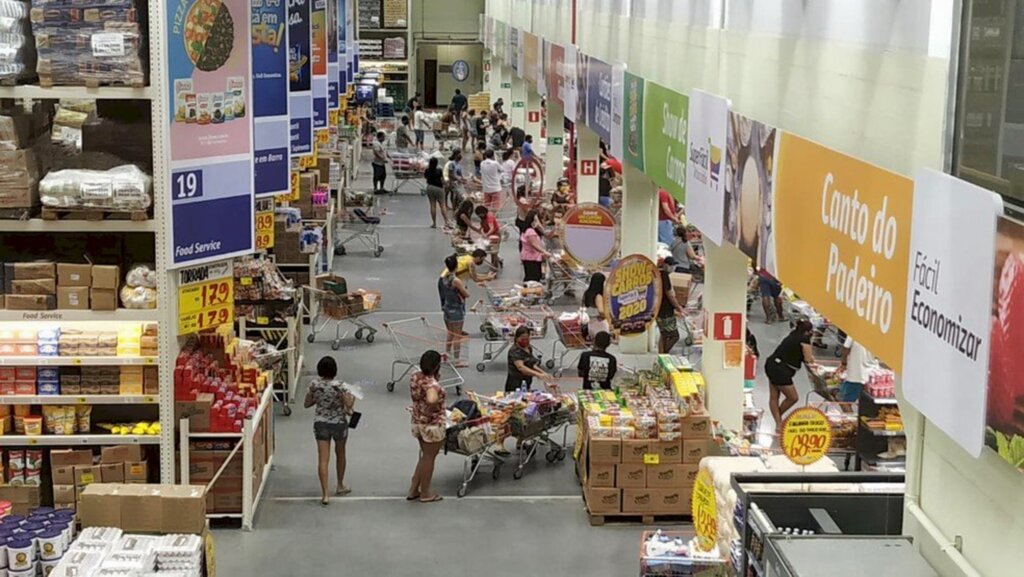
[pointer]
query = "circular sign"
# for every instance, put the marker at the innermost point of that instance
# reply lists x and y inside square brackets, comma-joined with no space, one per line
[806,436]
[528,182]
[589,235]
[704,509]
[460,70]
[633,293]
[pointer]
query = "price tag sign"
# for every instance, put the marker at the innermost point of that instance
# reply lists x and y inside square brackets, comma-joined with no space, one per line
[333,117]
[264,230]
[205,297]
[652,459]
[323,136]
[295,187]
[705,511]
[806,436]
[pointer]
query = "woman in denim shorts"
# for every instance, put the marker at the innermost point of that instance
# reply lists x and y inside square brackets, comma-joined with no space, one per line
[334,404]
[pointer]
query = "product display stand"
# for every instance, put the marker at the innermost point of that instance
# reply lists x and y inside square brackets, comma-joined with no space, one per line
[256,442]
[321,261]
[291,342]
[873,444]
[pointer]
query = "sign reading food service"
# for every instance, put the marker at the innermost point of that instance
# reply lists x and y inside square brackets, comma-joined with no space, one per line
[842,230]
[300,76]
[599,98]
[590,235]
[319,29]
[211,171]
[705,178]
[270,96]
[633,292]
[666,125]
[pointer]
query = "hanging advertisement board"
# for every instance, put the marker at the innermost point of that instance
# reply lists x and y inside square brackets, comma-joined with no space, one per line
[319,64]
[554,67]
[270,97]
[633,293]
[300,74]
[706,173]
[210,140]
[749,182]
[590,235]
[570,80]
[949,313]
[633,121]
[333,96]
[618,104]
[666,116]
[343,57]
[1006,387]
[599,98]
[531,57]
[842,229]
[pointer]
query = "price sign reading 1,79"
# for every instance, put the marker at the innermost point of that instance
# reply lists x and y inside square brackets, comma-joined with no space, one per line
[208,300]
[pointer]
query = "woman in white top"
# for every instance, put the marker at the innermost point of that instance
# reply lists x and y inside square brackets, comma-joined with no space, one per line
[421,124]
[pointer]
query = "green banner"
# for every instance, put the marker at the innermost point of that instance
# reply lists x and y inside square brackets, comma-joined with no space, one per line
[633,123]
[666,115]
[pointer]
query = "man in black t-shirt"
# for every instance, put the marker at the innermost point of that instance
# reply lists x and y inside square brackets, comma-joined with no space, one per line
[518,136]
[668,326]
[598,366]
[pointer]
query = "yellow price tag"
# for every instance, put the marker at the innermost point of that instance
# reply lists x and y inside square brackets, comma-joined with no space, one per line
[205,305]
[806,436]
[333,116]
[150,361]
[323,136]
[149,399]
[33,441]
[704,509]
[81,400]
[88,478]
[76,361]
[264,231]
[262,321]
[246,280]
[652,459]
[295,186]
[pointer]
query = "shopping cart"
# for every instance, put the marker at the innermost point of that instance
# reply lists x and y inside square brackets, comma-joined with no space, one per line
[274,360]
[541,430]
[499,330]
[410,338]
[824,380]
[479,440]
[565,278]
[406,167]
[339,308]
[572,342]
[823,328]
[357,225]
[501,296]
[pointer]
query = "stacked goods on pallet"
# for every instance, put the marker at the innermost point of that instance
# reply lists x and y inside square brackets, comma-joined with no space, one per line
[17,50]
[19,169]
[42,286]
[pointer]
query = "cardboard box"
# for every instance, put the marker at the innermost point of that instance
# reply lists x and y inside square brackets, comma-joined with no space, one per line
[106,276]
[667,476]
[637,500]
[184,509]
[87,475]
[605,451]
[121,454]
[64,495]
[112,473]
[631,476]
[668,452]
[22,498]
[227,500]
[694,450]
[150,381]
[203,465]
[74,275]
[689,473]
[103,299]
[197,412]
[633,450]
[141,508]
[63,475]
[70,457]
[32,271]
[99,505]
[680,286]
[696,427]
[136,472]
[144,508]
[601,476]
[42,286]
[30,302]
[73,298]
[601,501]
[671,501]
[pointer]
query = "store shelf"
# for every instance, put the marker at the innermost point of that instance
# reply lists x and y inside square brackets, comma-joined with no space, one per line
[71,440]
[126,315]
[75,361]
[81,399]
[102,92]
[196,435]
[883,433]
[876,461]
[882,400]
[100,226]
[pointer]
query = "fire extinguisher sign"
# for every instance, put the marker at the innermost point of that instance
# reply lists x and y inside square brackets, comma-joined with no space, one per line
[727,326]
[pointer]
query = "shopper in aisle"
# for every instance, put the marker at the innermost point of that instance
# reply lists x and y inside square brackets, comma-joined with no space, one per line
[453,305]
[523,366]
[421,124]
[528,147]
[593,302]
[498,137]
[454,180]
[782,365]
[479,151]
[404,136]
[667,216]
[427,424]
[508,167]
[466,128]
[491,180]
[771,295]
[435,191]
[858,362]
[532,252]
[334,405]
[464,219]
[413,103]
[458,107]
[598,365]
[517,136]
[682,250]
[491,230]
[499,106]
[379,163]
[670,309]
[480,126]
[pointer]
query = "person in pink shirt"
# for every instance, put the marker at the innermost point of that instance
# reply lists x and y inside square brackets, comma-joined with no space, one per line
[532,253]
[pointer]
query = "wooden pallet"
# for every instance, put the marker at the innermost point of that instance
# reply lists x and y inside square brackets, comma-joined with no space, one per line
[93,214]
[16,213]
[638,519]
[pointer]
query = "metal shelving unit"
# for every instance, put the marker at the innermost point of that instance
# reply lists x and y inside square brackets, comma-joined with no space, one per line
[76,440]
[63,316]
[81,400]
[76,361]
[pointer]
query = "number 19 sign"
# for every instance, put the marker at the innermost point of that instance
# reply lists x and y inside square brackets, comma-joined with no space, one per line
[206,297]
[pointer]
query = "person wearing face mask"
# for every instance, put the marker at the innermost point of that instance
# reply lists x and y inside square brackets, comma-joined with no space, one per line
[523,366]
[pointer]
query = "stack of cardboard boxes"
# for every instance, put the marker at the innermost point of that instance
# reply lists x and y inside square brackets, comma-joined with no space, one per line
[75,469]
[19,175]
[66,286]
[166,509]
[644,476]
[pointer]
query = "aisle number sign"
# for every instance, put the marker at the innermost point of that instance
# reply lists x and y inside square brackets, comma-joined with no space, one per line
[806,436]
[205,297]
[704,509]
[264,225]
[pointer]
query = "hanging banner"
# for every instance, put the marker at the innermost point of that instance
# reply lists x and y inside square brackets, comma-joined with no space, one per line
[665,138]
[590,235]
[209,58]
[806,436]
[342,40]
[270,97]
[319,63]
[949,317]
[512,51]
[748,190]
[554,68]
[618,103]
[300,46]
[705,181]
[1006,387]
[570,79]
[599,98]
[842,230]
[333,95]
[581,71]
[531,57]
[633,293]
[633,122]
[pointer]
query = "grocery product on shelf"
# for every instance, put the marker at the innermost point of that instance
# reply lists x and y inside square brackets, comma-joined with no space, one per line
[676,553]
[122,188]
[17,50]
[139,290]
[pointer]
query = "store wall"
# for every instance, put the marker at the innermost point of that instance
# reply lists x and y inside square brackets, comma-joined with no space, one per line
[448,19]
[440,30]
[445,54]
[868,78]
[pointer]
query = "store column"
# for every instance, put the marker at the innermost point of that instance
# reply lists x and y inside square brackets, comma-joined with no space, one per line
[533,114]
[638,231]
[588,162]
[517,111]
[725,303]
[555,150]
[502,75]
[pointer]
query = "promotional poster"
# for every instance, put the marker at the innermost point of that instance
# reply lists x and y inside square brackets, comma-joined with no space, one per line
[300,76]
[271,160]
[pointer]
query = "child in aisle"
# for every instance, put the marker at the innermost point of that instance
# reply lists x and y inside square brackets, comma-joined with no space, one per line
[334,405]
[598,365]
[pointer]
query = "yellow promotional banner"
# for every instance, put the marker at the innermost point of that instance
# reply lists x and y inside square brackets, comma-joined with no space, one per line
[842,233]
[531,57]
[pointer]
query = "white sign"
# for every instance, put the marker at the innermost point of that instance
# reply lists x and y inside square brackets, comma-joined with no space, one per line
[618,104]
[949,305]
[570,97]
[706,166]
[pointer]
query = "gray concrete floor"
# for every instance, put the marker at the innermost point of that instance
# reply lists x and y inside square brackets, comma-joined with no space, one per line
[533,526]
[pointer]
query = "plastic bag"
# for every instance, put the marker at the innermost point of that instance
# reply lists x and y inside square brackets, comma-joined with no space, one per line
[141,276]
[123,188]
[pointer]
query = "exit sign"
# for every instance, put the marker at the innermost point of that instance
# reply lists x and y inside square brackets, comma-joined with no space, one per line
[506,85]
[518,104]
[557,140]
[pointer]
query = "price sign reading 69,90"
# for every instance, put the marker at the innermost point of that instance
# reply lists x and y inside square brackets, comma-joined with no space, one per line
[806,436]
